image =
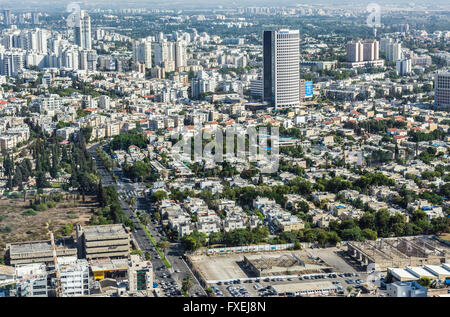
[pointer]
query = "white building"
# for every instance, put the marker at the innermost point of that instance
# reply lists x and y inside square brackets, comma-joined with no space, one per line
[142,52]
[406,289]
[281,75]
[74,277]
[403,66]
[83,31]
[394,52]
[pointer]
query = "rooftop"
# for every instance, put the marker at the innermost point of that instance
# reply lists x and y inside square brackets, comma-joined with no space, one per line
[109,265]
[402,273]
[104,230]
[40,246]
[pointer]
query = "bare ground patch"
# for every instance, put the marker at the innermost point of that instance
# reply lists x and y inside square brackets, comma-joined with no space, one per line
[19,223]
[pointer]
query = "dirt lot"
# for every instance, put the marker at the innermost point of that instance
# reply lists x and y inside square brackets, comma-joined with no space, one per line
[16,225]
[445,236]
[220,267]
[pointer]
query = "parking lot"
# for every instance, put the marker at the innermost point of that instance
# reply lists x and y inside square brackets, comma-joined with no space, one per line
[264,286]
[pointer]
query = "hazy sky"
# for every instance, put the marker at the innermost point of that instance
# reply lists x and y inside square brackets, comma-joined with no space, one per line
[174,4]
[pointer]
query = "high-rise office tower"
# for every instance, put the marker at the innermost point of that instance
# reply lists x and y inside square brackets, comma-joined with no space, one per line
[442,90]
[83,31]
[281,73]
[142,53]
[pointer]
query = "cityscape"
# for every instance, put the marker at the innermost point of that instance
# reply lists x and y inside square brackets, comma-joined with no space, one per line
[242,150]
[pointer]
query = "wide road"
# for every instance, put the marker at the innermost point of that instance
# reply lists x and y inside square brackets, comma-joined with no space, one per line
[174,254]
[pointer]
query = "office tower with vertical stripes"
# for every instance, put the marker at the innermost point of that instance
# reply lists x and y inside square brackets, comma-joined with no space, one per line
[281,73]
[442,90]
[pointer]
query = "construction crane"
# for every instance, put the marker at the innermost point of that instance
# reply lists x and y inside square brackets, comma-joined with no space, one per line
[59,287]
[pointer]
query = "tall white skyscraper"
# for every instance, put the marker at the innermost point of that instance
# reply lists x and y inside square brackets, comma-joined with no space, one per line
[394,52]
[281,73]
[36,40]
[163,51]
[180,53]
[83,31]
[142,52]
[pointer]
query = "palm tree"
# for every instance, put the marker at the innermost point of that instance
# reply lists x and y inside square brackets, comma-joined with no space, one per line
[187,283]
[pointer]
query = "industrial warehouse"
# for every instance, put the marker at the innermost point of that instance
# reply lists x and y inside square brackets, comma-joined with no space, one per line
[400,252]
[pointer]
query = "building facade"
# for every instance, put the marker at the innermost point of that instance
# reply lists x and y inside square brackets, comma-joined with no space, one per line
[281,73]
[442,90]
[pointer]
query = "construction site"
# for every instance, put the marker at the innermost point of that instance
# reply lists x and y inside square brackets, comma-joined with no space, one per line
[256,264]
[400,252]
[276,264]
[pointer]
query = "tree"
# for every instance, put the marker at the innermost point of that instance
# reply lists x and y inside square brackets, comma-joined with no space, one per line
[333,238]
[194,241]
[87,133]
[369,234]
[159,195]
[216,237]
[353,234]
[101,195]
[367,220]
[17,179]
[164,245]
[303,207]
[187,283]
[424,281]
[41,180]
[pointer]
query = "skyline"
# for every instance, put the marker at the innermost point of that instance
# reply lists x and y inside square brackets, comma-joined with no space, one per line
[203,4]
